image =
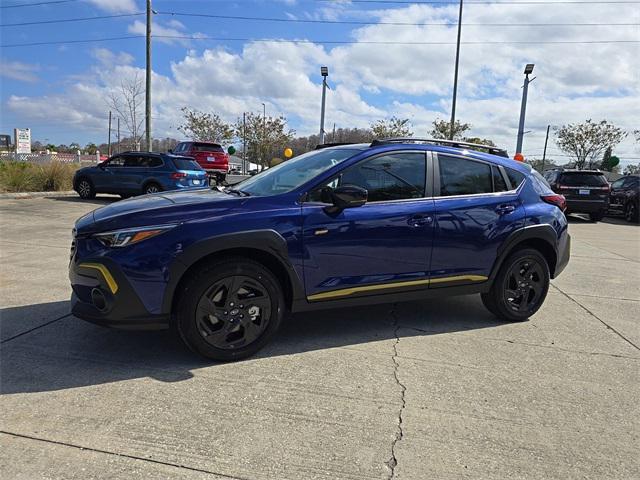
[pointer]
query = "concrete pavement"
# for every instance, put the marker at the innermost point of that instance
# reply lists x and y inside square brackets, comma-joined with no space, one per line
[418,390]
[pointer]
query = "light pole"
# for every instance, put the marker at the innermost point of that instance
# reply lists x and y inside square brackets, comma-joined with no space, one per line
[264,133]
[324,71]
[528,69]
[455,76]
[147,102]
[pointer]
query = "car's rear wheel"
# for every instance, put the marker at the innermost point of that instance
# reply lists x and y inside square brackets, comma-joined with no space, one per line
[596,217]
[85,189]
[228,310]
[520,287]
[152,188]
[631,212]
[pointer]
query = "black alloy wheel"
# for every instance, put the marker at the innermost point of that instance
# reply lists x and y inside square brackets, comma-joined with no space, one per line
[229,309]
[152,188]
[631,213]
[85,189]
[520,287]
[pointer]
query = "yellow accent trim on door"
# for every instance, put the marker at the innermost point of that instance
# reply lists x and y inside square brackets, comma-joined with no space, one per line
[344,292]
[106,274]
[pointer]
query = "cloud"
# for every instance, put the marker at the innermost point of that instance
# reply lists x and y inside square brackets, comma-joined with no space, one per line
[116,6]
[162,33]
[369,81]
[24,72]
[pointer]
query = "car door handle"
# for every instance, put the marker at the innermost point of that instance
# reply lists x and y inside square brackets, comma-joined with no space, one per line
[419,220]
[505,209]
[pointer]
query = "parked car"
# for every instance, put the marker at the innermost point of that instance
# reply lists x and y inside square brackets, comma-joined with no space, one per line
[210,156]
[136,173]
[586,191]
[335,227]
[624,197]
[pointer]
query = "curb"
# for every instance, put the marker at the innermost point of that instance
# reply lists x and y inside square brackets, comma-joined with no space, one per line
[24,195]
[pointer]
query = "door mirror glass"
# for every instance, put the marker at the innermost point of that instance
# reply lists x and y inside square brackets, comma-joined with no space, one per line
[346,196]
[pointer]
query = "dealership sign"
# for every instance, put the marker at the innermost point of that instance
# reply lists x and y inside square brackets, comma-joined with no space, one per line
[22,140]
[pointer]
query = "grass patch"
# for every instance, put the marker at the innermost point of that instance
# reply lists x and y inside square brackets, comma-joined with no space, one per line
[29,177]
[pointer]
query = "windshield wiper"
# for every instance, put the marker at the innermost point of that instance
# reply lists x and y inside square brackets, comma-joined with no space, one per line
[235,191]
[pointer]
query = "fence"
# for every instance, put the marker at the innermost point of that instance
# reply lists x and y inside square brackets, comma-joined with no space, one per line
[40,158]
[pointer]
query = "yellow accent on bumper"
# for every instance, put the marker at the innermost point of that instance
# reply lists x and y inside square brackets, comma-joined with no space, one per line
[106,274]
[383,286]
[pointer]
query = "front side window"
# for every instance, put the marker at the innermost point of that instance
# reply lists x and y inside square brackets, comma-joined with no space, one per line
[134,161]
[460,176]
[116,162]
[397,176]
[618,183]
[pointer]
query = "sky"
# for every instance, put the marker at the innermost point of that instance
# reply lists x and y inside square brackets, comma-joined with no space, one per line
[385,58]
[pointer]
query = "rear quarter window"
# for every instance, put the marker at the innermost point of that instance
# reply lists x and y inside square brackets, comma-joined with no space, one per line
[515,177]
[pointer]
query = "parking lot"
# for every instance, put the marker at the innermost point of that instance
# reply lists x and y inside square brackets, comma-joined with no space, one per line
[434,389]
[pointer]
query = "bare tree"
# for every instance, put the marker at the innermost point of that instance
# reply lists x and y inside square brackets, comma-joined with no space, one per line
[202,126]
[587,142]
[128,103]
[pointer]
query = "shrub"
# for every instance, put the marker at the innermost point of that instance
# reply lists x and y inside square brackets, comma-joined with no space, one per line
[16,177]
[29,177]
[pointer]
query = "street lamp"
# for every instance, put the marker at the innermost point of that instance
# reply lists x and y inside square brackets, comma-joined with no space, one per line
[528,69]
[324,71]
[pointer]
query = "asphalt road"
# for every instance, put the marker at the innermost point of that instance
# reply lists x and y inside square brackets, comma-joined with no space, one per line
[435,389]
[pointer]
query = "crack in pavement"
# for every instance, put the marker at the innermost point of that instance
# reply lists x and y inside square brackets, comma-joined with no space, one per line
[123,455]
[35,328]
[596,317]
[392,463]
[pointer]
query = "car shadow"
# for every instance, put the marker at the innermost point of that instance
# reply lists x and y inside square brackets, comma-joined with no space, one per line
[580,218]
[101,200]
[69,353]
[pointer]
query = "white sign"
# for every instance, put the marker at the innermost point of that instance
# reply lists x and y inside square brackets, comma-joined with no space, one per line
[22,140]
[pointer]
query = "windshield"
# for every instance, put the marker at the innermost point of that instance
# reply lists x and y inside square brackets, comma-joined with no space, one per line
[291,174]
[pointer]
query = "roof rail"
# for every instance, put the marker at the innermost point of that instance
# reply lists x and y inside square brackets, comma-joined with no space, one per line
[326,145]
[501,152]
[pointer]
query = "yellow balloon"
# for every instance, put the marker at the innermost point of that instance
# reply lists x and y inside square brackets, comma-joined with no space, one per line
[288,153]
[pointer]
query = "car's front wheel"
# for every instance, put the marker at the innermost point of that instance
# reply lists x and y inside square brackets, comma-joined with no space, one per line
[228,310]
[85,189]
[520,287]
[631,212]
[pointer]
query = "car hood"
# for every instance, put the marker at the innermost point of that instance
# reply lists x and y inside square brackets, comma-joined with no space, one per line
[158,208]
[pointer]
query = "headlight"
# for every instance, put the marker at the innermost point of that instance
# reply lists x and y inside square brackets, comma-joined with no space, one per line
[129,236]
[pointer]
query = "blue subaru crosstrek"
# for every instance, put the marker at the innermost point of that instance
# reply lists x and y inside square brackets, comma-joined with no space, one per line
[137,173]
[340,226]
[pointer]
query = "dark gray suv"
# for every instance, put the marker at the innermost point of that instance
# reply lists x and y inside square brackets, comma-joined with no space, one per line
[586,191]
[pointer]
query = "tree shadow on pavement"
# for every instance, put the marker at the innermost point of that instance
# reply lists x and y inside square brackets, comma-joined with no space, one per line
[70,353]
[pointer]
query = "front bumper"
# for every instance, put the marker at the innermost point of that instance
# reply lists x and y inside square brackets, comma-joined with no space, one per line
[102,295]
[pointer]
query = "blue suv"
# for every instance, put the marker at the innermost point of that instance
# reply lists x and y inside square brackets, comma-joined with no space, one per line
[136,173]
[343,225]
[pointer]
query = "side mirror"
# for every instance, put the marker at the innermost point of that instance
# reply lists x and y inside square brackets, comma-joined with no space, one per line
[346,196]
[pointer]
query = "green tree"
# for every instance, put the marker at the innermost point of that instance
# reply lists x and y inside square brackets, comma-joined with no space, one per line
[441,129]
[203,126]
[632,169]
[91,148]
[392,127]
[481,141]
[265,138]
[586,142]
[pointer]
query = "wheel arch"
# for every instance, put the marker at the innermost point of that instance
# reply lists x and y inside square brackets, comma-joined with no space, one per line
[539,237]
[265,247]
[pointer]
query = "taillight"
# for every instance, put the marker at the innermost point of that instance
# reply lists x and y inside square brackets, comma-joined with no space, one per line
[178,175]
[557,200]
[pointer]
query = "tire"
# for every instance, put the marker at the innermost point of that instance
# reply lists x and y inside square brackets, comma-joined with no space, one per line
[631,212]
[506,297]
[229,309]
[151,187]
[220,178]
[596,217]
[85,189]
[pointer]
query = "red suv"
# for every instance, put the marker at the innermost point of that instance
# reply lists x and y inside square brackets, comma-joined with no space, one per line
[210,156]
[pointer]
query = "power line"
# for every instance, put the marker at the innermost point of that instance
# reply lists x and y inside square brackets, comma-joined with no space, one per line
[20,5]
[65,20]
[356,22]
[327,42]
[527,2]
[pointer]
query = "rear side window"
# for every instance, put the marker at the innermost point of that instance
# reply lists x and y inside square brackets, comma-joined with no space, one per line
[515,177]
[583,179]
[185,164]
[207,147]
[459,176]
[499,185]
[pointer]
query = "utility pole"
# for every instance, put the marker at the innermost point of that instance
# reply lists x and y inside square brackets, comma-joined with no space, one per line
[544,153]
[244,143]
[324,71]
[109,141]
[528,69]
[118,134]
[264,135]
[148,80]
[333,135]
[455,75]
